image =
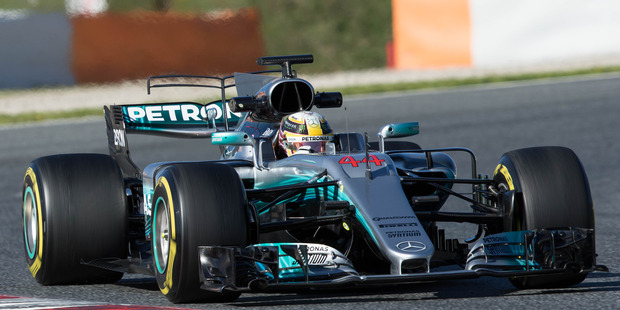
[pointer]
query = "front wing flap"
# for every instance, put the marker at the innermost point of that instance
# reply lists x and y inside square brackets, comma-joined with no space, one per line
[263,265]
[535,250]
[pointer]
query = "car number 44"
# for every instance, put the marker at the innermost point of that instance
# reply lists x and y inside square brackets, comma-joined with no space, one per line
[346,160]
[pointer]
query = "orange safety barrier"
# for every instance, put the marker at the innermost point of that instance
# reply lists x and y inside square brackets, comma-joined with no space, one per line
[114,47]
[431,34]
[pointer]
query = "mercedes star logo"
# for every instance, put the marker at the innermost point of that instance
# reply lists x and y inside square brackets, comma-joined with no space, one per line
[411,246]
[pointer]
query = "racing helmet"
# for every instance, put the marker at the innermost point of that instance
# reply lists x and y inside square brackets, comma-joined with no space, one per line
[304,133]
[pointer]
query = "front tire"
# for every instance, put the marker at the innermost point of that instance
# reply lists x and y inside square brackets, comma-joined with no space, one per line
[552,191]
[195,204]
[73,212]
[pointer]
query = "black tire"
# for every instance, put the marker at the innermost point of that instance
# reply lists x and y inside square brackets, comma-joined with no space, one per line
[195,204]
[74,210]
[552,191]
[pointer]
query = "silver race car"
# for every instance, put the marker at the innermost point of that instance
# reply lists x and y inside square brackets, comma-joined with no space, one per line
[292,204]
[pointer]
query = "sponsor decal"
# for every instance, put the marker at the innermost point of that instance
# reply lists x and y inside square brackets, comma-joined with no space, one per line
[186,112]
[267,133]
[395,225]
[292,127]
[403,233]
[313,122]
[317,248]
[119,137]
[315,138]
[148,200]
[504,171]
[411,246]
[292,138]
[379,218]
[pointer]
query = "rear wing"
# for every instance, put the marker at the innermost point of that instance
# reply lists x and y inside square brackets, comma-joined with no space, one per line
[176,119]
[268,98]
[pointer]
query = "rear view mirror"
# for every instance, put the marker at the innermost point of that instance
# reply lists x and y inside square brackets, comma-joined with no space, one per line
[235,138]
[398,130]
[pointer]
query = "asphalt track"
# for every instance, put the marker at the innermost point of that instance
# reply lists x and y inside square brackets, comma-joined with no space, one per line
[579,113]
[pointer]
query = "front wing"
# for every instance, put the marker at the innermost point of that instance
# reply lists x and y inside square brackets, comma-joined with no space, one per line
[296,265]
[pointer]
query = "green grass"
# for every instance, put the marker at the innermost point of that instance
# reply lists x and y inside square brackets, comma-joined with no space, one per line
[366,89]
[39,6]
[42,116]
[341,34]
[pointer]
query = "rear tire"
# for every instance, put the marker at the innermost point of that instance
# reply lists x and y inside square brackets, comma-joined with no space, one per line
[73,211]
[195,204]
[552,191]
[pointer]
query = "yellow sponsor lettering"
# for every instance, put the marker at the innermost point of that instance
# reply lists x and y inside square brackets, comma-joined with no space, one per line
[504,171]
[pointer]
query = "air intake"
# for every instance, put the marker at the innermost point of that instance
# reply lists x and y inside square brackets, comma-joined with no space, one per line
[291,96]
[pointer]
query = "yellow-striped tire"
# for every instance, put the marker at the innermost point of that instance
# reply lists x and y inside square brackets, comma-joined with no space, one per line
[551,191]
[73,211]
[194,204]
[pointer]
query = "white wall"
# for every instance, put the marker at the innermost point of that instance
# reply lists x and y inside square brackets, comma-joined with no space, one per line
[515,32]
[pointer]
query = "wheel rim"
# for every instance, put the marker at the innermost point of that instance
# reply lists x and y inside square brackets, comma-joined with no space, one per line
[161,235]
[31,221]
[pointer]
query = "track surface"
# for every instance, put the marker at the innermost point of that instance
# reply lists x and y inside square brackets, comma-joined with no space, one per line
[581,114]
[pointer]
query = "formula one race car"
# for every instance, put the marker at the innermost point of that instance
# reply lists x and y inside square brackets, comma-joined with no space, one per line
[291,204]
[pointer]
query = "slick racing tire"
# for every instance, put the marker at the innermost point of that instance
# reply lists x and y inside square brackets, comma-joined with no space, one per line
[195,204]
[552,191]
[73,212]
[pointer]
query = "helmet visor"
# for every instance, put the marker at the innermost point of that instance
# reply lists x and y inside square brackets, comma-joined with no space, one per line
[308,144]
[309,147]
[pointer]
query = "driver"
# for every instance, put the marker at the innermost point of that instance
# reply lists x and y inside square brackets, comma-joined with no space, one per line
[303,133]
